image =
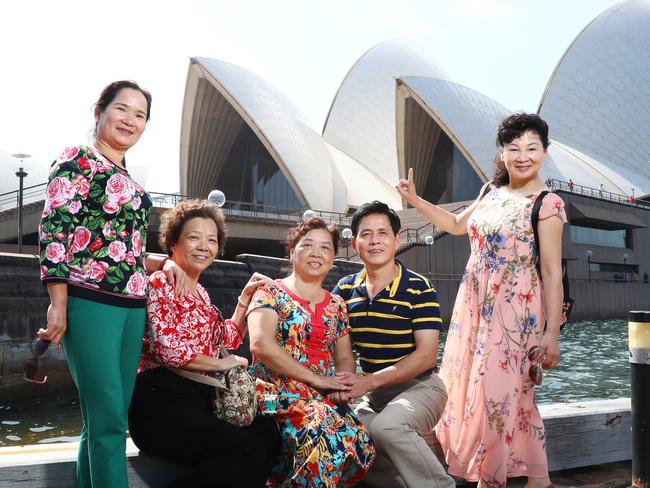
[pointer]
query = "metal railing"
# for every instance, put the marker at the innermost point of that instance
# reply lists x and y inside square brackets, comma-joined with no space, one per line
[254,210]
[9,200]
[588,191]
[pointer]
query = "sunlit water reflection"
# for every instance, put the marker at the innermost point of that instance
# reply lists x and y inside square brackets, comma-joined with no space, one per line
[594,365]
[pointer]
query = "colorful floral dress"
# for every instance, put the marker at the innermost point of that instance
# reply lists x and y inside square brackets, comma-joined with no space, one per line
[323,445]
[491,428]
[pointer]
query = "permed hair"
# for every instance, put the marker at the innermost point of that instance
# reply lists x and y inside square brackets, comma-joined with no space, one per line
[173,221]
[511,128]
[299,231]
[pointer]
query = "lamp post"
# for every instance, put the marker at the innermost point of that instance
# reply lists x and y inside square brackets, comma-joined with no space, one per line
[429,240]
[588,254]
[217,197]
[21,174]
[347,235]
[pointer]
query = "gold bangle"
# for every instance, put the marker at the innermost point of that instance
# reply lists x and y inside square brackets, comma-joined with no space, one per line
[242,302]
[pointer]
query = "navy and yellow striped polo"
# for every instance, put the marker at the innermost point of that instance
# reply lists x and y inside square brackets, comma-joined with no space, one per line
[382,327]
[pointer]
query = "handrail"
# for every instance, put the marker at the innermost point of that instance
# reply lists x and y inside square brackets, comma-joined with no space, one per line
[591,192]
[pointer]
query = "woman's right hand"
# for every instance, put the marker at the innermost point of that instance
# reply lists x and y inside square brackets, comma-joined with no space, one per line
[331,383]
[229,362]
[56,324]
[406,188]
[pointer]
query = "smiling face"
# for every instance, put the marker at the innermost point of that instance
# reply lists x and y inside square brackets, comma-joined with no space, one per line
[197,246]
[313,255]
[375,241]
[523,157]
[122,122]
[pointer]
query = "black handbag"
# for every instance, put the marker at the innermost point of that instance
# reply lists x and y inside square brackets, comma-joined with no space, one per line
[567,301]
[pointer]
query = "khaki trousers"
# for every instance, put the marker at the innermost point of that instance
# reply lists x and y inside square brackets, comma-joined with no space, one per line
[396,416]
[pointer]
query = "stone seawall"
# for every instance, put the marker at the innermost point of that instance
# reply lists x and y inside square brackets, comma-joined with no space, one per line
[24,301]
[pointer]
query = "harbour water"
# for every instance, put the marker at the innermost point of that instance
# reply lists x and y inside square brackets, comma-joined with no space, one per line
[594,365]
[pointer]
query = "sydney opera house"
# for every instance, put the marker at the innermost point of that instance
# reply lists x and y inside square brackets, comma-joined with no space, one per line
[396,108]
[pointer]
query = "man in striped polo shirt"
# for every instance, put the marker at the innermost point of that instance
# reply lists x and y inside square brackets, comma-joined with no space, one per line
[395,322]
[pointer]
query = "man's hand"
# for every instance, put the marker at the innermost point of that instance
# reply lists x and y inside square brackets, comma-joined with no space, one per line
[360,385]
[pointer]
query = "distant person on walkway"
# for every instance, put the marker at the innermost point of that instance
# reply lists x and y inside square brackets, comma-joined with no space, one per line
[601,189]
[506,319]
[92,239]
[570,184]
[171,416]
[299,337]
[395,323]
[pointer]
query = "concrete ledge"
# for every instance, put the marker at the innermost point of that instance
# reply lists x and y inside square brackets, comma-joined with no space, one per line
[578,434]
[587,433]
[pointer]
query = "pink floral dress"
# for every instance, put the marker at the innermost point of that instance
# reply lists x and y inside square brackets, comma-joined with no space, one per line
[491,428]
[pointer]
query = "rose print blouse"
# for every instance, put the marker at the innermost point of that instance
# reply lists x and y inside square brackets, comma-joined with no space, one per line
[180,328]
[93,229]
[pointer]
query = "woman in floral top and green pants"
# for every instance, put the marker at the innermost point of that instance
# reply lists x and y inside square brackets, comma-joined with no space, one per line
[92,239]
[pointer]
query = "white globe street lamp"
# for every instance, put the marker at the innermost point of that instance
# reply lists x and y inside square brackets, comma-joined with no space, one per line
[217,197]
[21,174]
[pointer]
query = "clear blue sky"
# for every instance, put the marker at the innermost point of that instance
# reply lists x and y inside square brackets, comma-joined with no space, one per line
[56,57]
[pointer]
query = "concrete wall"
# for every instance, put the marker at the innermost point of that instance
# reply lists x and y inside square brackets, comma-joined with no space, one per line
[24,301]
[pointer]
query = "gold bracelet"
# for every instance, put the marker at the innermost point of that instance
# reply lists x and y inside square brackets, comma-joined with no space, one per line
[242,302]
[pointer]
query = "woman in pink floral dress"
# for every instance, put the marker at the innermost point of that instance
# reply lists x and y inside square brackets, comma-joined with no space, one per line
[506,315]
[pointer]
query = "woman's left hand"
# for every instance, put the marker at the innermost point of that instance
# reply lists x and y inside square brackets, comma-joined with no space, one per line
[177,276]
[550,350]
[255,281]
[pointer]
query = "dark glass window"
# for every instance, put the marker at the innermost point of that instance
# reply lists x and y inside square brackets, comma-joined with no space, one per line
[599,237]
[451,178]
[251,175]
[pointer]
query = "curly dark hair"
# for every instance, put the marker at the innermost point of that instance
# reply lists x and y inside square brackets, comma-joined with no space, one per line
[511,128]
[298,232]
[172,222]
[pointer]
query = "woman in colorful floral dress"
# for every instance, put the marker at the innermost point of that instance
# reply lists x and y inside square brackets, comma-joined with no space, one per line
[92,239]
[506,319]
[299,337]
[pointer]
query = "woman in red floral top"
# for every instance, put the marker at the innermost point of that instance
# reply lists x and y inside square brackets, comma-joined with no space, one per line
[171,416]
[92,238]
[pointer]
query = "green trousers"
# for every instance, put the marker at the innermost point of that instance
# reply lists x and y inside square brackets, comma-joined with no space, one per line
[103,344]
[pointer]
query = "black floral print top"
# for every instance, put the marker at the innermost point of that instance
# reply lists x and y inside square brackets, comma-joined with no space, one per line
[94,228]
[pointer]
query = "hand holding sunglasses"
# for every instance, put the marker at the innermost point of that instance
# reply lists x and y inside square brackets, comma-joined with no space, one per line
[30,365]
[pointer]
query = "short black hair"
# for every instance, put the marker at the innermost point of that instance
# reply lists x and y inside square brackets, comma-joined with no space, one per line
[375,207]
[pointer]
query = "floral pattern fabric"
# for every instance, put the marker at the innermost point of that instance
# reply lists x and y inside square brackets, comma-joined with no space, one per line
[323,445]
[94,225]
[491,427]
[178,329]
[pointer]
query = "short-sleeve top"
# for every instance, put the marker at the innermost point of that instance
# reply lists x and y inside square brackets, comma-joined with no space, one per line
[309,337]
[93,229]
[383,326]
[180,328]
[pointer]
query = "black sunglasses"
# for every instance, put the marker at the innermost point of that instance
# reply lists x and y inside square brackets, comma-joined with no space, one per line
[30,365]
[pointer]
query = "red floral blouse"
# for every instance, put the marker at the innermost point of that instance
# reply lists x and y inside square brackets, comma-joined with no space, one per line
[178,329]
